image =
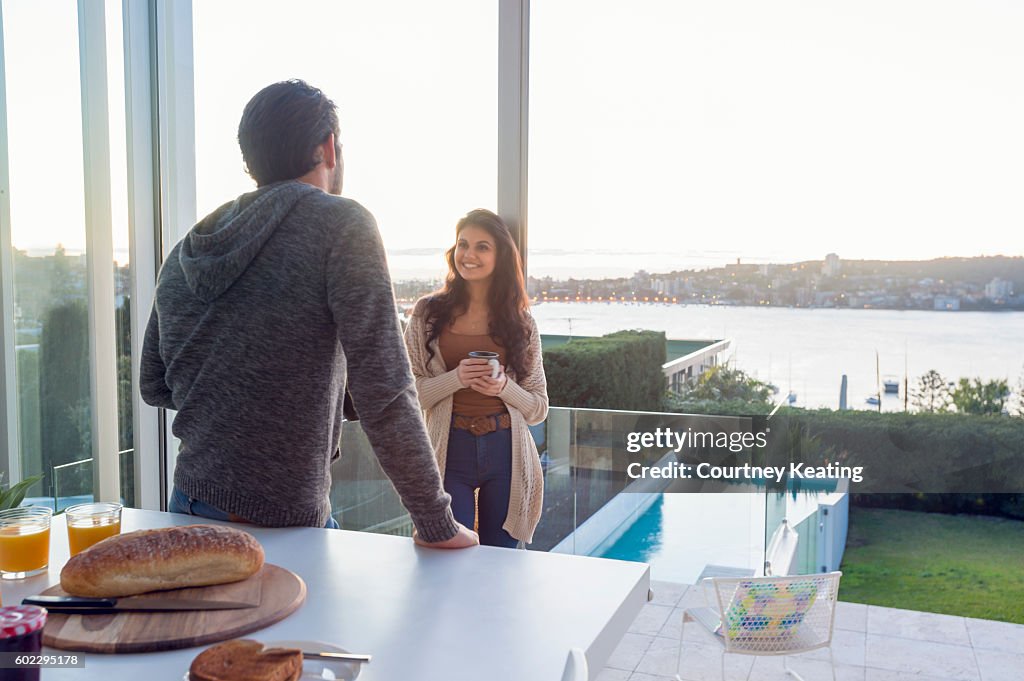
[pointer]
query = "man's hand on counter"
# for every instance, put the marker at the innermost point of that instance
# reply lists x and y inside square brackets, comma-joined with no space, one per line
[465,537]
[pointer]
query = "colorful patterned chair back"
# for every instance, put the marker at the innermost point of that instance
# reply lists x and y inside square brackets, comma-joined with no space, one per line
[777,614]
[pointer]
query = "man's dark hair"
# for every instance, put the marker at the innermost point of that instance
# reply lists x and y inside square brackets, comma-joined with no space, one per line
[281,129]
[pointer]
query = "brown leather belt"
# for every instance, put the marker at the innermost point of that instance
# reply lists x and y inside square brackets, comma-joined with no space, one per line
[481,425]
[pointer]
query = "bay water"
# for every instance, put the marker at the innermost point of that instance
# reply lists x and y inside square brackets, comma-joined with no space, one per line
[807,351]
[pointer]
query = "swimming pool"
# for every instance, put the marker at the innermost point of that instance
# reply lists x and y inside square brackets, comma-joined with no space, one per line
[680,534]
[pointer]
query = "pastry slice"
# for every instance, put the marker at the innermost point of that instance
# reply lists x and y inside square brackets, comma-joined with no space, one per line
[246,660]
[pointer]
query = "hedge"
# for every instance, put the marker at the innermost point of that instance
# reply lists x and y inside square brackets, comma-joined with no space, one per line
[621,370]
[955,459]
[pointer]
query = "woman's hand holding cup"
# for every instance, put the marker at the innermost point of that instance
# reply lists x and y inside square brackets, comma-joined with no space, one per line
[486,375]
[486,385]
[472,368]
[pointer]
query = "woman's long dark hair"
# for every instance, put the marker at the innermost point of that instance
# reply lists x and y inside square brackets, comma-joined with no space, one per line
[507,299]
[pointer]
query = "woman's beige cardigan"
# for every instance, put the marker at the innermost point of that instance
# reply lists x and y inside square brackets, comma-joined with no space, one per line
[527,402]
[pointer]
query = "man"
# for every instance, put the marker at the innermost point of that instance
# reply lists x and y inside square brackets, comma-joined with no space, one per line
[263,313]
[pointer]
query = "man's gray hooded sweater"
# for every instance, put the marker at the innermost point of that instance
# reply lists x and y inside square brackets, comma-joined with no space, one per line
[263,313]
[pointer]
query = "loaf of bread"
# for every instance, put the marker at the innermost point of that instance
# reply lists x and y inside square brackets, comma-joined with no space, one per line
[168,558]
[246,660]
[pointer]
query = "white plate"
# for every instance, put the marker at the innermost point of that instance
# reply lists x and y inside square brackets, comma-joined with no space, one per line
[318,669]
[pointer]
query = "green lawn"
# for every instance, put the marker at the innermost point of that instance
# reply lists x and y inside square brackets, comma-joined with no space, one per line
[954,564]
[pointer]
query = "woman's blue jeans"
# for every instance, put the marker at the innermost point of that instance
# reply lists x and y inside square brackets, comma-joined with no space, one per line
[484,462]
[182,503]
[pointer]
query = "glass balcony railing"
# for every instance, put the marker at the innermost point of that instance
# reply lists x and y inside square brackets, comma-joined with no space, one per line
[72,483]
[596,504]
[362,497]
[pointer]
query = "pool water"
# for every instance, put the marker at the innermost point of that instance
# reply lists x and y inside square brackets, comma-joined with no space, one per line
[680,534]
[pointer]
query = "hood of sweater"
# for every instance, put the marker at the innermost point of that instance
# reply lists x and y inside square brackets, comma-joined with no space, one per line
[219,249]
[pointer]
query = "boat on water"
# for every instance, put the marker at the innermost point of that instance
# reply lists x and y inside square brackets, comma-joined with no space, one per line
[873,400]
[892,385]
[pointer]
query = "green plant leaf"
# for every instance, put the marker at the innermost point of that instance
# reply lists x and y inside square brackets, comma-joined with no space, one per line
[13,497]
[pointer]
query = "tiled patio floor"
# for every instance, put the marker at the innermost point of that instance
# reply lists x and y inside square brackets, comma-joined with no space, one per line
[870,644]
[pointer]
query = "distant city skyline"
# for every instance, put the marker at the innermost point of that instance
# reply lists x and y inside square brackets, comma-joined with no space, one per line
[601,263]
[428,263]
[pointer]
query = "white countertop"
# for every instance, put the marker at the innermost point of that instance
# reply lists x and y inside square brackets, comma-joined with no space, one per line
[424,614]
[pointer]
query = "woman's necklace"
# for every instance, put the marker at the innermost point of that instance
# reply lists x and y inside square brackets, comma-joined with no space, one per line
[473,324]
[477,325]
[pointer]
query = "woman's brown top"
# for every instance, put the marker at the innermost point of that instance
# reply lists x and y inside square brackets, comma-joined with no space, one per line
[455,347]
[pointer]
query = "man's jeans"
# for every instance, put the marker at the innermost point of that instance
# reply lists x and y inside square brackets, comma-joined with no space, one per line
[483,461]
[181,503]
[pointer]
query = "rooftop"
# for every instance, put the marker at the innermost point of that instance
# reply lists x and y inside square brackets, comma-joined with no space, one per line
[674,349]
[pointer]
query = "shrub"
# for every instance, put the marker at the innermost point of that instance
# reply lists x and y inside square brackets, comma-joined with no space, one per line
[724,391]
[621,370]
[960,463]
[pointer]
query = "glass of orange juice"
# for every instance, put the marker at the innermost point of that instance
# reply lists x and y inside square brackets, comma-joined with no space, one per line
[90,523]
[24,541]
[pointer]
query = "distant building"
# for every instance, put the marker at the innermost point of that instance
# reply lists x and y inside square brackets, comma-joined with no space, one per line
[950,303]
[832,265]
[688,359]
[667,285]
[825,298]
[641,280]
[998,290]
[739,268]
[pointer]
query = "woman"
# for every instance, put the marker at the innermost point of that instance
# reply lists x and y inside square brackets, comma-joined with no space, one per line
[478,424]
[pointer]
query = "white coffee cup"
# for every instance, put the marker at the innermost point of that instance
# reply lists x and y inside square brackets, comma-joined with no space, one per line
[492,359]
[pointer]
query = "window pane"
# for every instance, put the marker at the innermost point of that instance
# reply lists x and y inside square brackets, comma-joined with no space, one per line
[416,88]
[48,233]
[50,283]
[831,187]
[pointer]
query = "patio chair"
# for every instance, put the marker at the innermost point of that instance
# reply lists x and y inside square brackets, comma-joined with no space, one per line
[768,616]
[575,666]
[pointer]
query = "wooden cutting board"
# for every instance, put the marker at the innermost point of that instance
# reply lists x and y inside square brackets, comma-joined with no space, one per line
[279,593]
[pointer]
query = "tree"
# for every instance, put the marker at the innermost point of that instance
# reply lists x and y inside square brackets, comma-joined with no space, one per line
[62,281]
[64,418]
[724,383]
[723,390]
[974,396]
[932,393]
[122,323]
[1019,411]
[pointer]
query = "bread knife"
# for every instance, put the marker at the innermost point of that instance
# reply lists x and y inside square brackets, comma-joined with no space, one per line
[324,655]
[336,657]
[76,605]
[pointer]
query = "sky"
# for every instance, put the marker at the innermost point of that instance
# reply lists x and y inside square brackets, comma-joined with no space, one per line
[689,131]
